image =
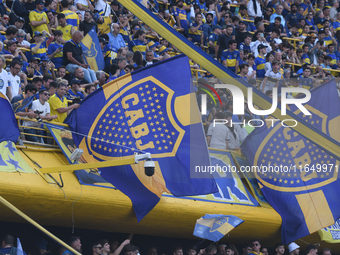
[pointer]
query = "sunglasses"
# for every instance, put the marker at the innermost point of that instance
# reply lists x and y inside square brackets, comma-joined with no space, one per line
[5,18]
[20,36]
[46,94]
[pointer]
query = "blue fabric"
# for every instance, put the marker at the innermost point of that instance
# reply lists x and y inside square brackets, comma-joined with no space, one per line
[217,229]
[9,131]
[138,94]
[282,146]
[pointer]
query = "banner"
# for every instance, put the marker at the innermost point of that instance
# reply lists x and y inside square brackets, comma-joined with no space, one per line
[215,226]
[92,52]
[331,234]
[150,110]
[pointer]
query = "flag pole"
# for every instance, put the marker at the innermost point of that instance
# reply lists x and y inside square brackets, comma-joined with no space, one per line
[20,213]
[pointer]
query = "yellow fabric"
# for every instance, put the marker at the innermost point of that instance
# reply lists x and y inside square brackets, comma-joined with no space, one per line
[105,27]
[66,32]
[55,103]
[35,16]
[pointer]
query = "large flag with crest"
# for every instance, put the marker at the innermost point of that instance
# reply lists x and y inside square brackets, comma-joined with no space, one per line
[297,177]
[151,110]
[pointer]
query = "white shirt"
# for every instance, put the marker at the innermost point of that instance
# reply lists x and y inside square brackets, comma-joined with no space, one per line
[4,81]
[272,80]
[104,7]
[82,2]
[251,11]
[14,82]
[254,45]
[36,105]
[250,72]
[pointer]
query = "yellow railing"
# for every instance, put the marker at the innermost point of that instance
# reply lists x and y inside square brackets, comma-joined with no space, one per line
[19,119]
[313,67]
[294,40]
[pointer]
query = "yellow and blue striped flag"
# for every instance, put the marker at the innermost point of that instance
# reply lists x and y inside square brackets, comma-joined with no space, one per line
[92,52]
[215,226]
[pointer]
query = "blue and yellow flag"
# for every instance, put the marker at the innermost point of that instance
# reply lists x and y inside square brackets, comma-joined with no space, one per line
[10,130]
[331,234]
[298,178]
[23,104]
[215,226]
[92,52]
[151,110]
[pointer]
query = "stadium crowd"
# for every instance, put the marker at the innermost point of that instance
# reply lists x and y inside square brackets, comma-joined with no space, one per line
[267,43]
[104,247]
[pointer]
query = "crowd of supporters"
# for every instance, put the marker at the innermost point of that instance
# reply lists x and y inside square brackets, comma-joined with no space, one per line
[105,247]
[267,43]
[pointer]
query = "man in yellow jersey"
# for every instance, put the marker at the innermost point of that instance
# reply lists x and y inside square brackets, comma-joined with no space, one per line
[104,23]
[38,18]
[58,104]
[70,16]
[67,29]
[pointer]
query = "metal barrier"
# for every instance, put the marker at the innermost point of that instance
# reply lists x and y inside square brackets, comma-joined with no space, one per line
[19,119]
[294,40]
[314,67]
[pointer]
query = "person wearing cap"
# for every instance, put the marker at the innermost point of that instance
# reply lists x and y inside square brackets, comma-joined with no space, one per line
[163,51]
[293,249]
[12,48]
[153,46]
[217,30]
[55,49]
[20,10]
[19,23]
[196,30]
[115,38]
[38,18]
[230,58]
[66,29]
[104,23]
[260,61]
[88,23]
[84,5]
[70,16]
[75,90]
[241,32]
[38,48]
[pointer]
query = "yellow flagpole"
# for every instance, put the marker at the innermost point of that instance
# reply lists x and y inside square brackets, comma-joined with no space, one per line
[16,210]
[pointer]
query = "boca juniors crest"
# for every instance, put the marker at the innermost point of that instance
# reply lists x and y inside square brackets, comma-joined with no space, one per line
[138,119]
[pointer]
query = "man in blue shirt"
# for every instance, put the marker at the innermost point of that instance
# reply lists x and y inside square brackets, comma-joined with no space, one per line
[75,90]
[279,9]
[115,38]
[293,17]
